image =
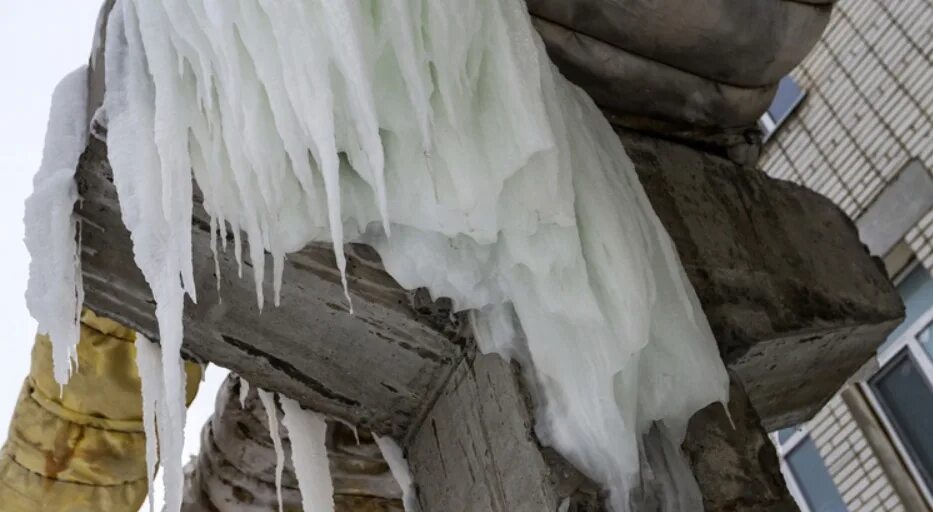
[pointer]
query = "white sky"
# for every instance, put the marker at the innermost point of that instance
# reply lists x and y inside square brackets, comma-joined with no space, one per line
[40,42]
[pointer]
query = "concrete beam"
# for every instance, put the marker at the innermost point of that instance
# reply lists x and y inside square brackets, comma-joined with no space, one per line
[310,348]
[794,299]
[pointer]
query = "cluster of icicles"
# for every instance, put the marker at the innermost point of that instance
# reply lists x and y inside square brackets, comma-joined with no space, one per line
[438,132]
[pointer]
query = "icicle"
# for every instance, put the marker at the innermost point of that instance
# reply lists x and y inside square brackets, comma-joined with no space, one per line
[268,401]
[55,294]
[398,465]
[149,365]
[135,151]
[527,209]
[307,432]
[244,392]
[353,428]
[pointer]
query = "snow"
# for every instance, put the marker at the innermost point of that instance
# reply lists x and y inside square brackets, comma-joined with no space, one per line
[504,188]
[398,466]
[268,402]
[54,294]
[307,432]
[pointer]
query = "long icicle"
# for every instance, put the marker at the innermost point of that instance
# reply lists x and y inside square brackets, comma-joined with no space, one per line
[268,401]
[307,432]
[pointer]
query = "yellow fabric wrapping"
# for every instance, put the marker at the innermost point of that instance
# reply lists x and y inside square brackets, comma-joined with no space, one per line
[81,448]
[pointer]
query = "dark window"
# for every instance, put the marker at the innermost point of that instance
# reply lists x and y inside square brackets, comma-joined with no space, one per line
[813,479]
[788,96]
[907,400]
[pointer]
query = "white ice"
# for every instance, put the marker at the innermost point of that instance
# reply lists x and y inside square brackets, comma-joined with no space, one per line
[244,391]
[54,295]
[307,433]
[398,466]
[504,188]
[163,433]
[149,365]
[268,402]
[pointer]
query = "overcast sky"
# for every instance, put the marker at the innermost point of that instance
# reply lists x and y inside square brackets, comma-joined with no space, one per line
[40,42]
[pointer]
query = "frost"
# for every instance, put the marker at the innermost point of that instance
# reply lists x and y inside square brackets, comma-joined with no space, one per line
[268,402]
[54,295]
[307,432]
[398,465]
[504,188]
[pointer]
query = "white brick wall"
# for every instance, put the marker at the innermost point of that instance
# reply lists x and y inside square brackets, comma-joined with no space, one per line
[867,113]
[869,104]
[850,461]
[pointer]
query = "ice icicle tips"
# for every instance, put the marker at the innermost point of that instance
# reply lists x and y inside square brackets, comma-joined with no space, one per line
[54,295]
[149,365]
[504,188]
[398,465]
[163,433]
[244,391]
[268,402]
[307,433]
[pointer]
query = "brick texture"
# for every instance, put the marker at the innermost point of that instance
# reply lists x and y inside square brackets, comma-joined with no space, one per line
[850,461]
[868,109]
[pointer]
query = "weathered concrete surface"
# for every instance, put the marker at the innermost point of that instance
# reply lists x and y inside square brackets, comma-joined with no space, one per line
[310,348]
[792,295]
[476,449]
[748,44]
[733,460]
[793,298]
[685,69]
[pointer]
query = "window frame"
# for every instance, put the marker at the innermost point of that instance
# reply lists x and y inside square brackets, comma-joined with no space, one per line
[784,450]
[906,346]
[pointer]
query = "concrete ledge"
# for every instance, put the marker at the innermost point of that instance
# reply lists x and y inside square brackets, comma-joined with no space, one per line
[793,297]
[794,300]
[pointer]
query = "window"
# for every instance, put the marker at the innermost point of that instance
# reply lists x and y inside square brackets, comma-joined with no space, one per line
[901,392]
[788,96]
[906,397]
[813,479]
[807,477]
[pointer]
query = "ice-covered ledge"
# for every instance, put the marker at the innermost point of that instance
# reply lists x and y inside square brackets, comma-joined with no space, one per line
[794,299]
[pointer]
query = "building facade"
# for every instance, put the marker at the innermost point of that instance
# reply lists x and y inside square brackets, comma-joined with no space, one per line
[854,122]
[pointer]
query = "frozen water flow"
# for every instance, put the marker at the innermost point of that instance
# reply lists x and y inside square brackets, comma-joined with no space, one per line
[268,402]
[244,392]
[504,187]
[149,365]
[154,187]
[307,432]
[55,294]
[162,433]
[398,465]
